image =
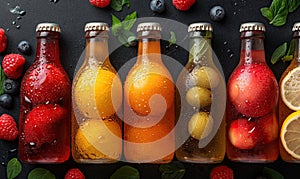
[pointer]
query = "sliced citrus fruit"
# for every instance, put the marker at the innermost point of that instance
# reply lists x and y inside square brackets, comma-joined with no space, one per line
[290,89]
[290,134]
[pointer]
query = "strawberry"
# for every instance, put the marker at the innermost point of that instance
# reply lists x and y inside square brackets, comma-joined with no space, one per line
[45,84]
[100,3]
[74,173]
[41,124]
[183,5]
[243,134]
[221,172]
[253,90]
[269,128]
[8,128]
[13,65]
[3,40]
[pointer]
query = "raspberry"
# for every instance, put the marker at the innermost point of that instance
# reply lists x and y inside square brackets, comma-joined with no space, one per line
[13,65]
[3,40]
[74,173]
[223,172]
[183,5]
[100,3]
[8,128]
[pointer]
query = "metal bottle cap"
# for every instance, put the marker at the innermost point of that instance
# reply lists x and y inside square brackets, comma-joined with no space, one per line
[147,26]
[296,27]
[96,26]
[52,27]
[200,26]
[252,26]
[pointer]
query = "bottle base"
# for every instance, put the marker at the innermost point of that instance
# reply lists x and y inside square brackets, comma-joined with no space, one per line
[201,160]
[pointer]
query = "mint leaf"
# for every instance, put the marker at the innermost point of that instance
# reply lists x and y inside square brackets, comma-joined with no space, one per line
[172,39]
[116,25]
[126,172]
[277,12]
[293,5]
[117,5]
[291,48]
[40,173]
[2,79]
[173,170]
[270,173]
[14,168]
[267,13]
[129,21]
[279,53]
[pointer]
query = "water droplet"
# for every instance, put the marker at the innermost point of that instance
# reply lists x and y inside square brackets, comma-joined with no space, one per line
[19,18]
[18,26]
[234,13]
[228,50]
[7,29]
[13,22]
[12,150]
[235,4]
[231,55]
[55,1]
[17,10]
[225,43]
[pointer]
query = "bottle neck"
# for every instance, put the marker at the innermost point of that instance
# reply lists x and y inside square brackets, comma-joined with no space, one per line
[296,38]
[252,47]
[47,50]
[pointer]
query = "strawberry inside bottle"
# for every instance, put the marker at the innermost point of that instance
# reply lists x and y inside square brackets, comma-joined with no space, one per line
[45,103]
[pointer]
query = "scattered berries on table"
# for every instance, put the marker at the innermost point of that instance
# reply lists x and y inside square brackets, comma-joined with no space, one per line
[8,128]
[183,5]
[74,173]
[24,47]
[223,172]
[217,13]
[100,3]
[6,101]
[13,65]
[10,86]
[3,40]
[157,5]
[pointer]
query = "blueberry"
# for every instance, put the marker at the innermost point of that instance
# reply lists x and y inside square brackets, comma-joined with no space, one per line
[157,5]
[24,47]
[217,13]
[6,101]
[11,86]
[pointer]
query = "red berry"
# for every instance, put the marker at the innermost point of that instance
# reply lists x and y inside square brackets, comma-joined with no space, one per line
[41,124]
[253,90]
[45,84]
[183,5]
[243,134]
[269,128]
[13,65]
[74,173]
[8,128]
[3,40]
[100,3]
[221,172]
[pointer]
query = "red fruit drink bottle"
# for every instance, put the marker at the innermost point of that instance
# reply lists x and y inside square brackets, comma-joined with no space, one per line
[45,100]
[252,121]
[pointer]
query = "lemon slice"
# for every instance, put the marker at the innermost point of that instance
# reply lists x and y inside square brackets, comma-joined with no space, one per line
[290,134]
[290,89]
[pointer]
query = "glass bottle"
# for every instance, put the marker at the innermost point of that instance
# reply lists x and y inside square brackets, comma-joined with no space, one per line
[286,109]
[45,103]
[96,97]
[149,102]
[251,114]
[200,102]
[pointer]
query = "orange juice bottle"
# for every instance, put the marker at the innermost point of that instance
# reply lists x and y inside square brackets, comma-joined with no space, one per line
[96,96]
[289,104]
[149,102]
[200,102]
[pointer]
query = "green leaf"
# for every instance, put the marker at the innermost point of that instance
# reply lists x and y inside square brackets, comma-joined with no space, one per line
[40,173]
[2,79]
[293,5]
[116,25]
[172,39]
[129,21]
[14,168]
[126,172]
[173,170]
[279,53]
[291,48]
[287,58]
[117,5]
[270,173]
[267,13]
[277,12]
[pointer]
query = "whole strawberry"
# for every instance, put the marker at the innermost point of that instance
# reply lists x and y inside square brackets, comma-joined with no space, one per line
[100,3]
[3,40]
[183,5]
[221,172]
[74,173]
[13,65]
[8,128]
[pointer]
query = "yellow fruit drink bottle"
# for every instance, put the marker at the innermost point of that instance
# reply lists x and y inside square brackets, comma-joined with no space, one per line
[149,102]
[45,103]
[251,115]
[289,104]
[96,96]
[200,102]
